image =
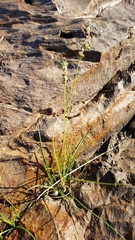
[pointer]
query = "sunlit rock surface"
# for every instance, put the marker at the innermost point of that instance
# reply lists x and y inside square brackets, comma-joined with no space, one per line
[35,35]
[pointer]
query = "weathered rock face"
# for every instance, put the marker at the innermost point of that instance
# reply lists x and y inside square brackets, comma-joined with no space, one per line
[91,8]
[35,36]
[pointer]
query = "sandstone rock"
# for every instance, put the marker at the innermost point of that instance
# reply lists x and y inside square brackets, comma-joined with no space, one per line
[90,8]
[35,36]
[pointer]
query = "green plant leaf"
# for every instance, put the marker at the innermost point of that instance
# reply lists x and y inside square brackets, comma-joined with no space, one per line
[5,231]
[44,159]
[26,230]
[100,219]
[7,220]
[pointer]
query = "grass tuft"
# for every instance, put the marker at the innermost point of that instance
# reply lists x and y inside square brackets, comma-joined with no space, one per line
[66,158]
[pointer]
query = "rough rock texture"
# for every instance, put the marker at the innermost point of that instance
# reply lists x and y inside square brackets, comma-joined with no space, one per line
[91,8]
[35,36]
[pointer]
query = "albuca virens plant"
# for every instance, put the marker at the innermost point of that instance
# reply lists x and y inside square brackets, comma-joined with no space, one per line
[66,157]
[60,183]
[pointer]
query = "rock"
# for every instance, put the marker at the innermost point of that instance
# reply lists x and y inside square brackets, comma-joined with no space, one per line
[49,220]
[86,8]
[131,126]
[109,199]
[35,36]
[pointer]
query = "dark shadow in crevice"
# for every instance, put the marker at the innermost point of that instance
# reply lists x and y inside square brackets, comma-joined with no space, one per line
[28,2]
[35,53]
[43,19]
[90,56]
[66,35]
[104,147]
[96,211]
[72,34]
[12,14]
[43,137]
[130,128]
[28,109]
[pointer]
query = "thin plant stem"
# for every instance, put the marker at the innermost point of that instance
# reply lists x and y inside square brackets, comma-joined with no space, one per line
[67,105]
[56,157]
[76,169]
[100,219]
[73,87]
[44,159]
[64,140]
[80,57]
[26,230]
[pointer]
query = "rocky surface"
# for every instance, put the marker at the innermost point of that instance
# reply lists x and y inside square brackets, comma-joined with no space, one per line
[35,36]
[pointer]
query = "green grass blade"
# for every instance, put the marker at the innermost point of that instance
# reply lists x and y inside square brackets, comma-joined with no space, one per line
[56,157]
[76,155]
[5,231]
[10,203]
[76,169]
[100,219]
[26,230]
[7,220]
[99,183]
[50,177]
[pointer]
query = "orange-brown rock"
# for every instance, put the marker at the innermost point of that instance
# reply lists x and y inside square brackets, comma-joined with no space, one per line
[35,36]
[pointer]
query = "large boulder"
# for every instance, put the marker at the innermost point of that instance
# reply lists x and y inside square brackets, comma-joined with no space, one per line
[35,36]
